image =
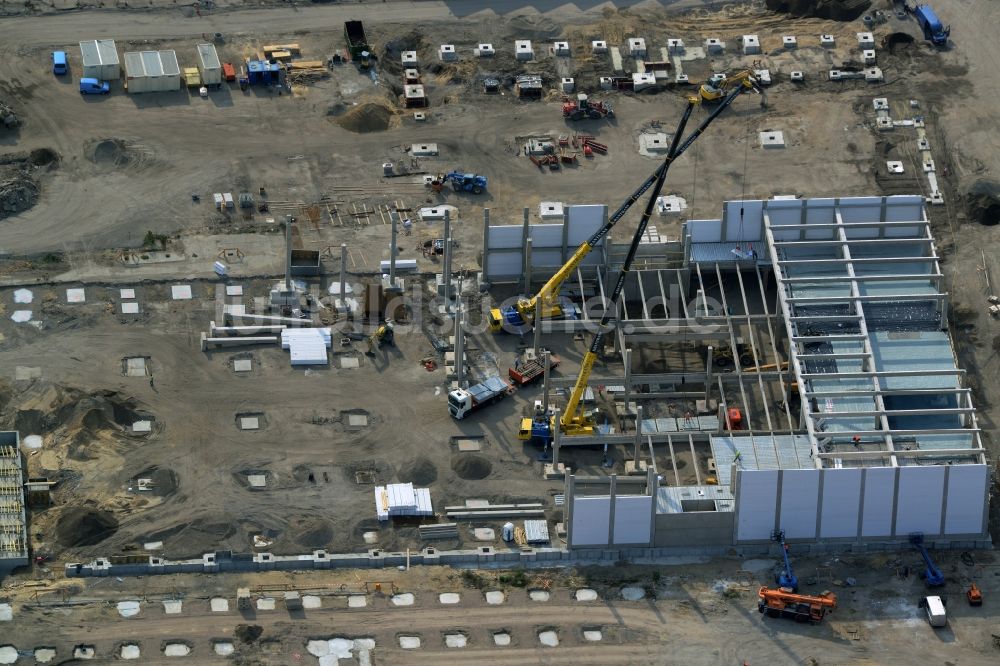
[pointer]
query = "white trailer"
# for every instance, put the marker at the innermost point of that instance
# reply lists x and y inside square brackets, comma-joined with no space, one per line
[100,60]
[209,65]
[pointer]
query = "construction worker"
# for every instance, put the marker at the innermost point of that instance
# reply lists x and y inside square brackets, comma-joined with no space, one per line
[407,227]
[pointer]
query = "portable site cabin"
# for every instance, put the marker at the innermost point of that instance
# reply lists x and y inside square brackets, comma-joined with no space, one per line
[209,65]
[100,60]
[152,71]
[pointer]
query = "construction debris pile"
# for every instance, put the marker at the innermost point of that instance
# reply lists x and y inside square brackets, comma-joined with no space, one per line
[8,117]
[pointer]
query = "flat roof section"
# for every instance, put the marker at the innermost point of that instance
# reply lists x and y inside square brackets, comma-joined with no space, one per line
[860,288]
[757,452]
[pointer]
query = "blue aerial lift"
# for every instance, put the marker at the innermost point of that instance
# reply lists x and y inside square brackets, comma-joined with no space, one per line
[787,577]
[933,576]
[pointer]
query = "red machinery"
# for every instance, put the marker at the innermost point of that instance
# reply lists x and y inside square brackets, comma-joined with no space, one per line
[782,602]
[584,108]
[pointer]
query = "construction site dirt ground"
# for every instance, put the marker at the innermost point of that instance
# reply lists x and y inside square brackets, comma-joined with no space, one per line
[110,169]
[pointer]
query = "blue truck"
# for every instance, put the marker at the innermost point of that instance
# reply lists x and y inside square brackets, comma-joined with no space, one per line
[931,25]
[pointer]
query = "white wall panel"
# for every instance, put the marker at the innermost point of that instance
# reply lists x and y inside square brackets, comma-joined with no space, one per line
[583,222]
[799,500]
[820,211]
[504,236]
[591,518]
[752,228]
[633,519]
[758,493]
[918,505]
[904,207]
[966,488]
[840,503]
[705,231]
[879,487]
[861,209]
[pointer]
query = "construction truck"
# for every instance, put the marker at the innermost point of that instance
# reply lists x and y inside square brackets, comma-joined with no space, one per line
[583,108]
[575,421]
[462,402]
[718,86]
[782,602]
[383,335]
[934,32]
[357,40]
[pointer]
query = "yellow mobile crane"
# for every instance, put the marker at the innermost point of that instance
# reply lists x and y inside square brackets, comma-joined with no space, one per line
[574,421]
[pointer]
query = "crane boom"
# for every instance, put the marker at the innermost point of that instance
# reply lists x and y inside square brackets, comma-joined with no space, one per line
[572,422]
[524,310]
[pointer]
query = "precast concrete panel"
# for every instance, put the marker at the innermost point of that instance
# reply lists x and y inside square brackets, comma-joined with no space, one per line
[966,490]
[591,519]
[633,519]
[551,259]
[546,235]
[904,208]
[820,211]
[705,231]
[840,503]
[876,519]
[506,236]
[758,494]
[799,500]
[745,228]
[584,220]
[920,498]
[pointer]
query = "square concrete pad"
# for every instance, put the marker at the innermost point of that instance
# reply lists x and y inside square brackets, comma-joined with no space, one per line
[135,367]
[130,308]
[220,605]
[126,293]
[467,445]
[172,606]
[249,423]
[257,480]
[142,426]
[350,362]
[243,365]
[181,292]
[357,420]
[234,290]
[76,295]
[24,372]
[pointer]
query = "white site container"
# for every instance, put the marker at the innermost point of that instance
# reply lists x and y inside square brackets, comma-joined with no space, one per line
[100,60]
[209,65]
[152,71]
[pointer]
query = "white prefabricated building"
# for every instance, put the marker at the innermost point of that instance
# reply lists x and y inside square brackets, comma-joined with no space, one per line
[152,71]
[100,59]
[209,65]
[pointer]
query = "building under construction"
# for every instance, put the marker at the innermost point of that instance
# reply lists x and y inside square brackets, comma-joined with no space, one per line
[798,350]
[13,528]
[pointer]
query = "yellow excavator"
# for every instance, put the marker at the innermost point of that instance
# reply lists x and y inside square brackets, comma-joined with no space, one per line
[719,85]
[383,335]
[575,421]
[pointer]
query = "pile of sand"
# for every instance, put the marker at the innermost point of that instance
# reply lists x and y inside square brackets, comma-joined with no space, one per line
[836,10]
[420,471]
[18,190]
[367,117]
[471,467]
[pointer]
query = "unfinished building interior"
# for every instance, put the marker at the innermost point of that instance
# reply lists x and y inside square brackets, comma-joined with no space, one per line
[796,351]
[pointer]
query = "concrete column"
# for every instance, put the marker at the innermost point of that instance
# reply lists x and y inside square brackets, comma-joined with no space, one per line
[537,343]
[343,277]
[392,251]
[652,487]
[708,373]
[556,437]
[627,358]
[638,434]
[525,232]
[288,252]
[527,265]
[486,245]
[446,270]
[545,382]
[459,346]
[612,492]
[570,492]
